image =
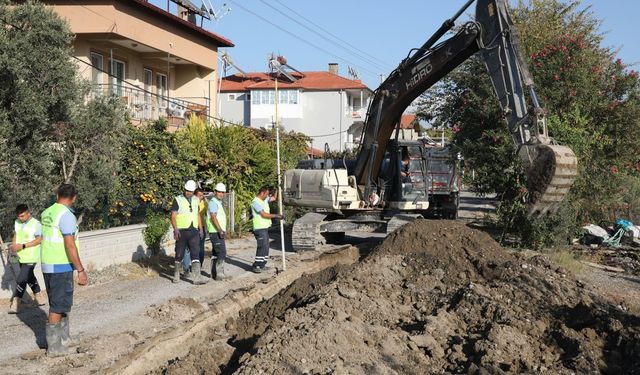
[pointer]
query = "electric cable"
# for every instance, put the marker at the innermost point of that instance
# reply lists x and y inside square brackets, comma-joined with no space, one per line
[372,73]
[385,64]
[348,50]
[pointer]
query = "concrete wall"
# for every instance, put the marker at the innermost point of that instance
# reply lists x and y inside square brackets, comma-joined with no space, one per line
[98,249]
[236,110]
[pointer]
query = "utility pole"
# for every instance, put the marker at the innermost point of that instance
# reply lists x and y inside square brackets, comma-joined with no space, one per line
[277,99]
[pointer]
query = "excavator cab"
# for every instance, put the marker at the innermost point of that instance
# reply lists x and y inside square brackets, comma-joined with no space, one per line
[403,176]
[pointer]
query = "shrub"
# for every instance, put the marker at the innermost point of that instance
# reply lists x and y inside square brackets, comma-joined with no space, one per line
[157,228]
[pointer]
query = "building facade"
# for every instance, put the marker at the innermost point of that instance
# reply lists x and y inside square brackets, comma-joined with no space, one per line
[159,63]
[322,105]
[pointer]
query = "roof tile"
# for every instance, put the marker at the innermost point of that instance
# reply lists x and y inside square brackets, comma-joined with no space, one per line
[310,81]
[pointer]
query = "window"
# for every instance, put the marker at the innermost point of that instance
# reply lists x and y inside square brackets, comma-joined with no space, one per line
[272,97]
[231,97]
[148,80]
[116,74]
[162,89]
[268,97]
[97,64]
[293,96]
[148,87]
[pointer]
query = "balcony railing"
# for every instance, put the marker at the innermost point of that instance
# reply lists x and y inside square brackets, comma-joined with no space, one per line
[356,112]
[148,106]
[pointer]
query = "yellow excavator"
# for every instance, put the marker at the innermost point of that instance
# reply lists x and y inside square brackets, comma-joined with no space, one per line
[370,193]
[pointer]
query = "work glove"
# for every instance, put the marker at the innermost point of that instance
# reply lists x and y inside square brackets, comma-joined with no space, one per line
[221,234]
[279,217]
[176,234]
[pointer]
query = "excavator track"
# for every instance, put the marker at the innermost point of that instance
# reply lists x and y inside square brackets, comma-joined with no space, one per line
[551,170]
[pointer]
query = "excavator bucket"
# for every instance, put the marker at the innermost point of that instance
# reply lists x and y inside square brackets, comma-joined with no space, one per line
[550,171]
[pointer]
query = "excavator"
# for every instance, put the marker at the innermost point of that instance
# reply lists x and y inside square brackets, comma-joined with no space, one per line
[387,185]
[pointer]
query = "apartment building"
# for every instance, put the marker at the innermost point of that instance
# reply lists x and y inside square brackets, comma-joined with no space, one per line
[161,64]
[320,104]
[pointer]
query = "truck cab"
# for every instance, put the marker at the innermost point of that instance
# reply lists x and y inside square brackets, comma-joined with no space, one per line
[444,182]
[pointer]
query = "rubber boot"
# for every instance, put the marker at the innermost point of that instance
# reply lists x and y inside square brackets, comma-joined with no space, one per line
[54,341]
[66,339]
[220,275]
[197,275]
[176,271]
[15,302]
[38,299]
[214,269]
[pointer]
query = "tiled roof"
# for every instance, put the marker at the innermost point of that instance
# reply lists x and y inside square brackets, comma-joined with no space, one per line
[146,6]
[407,121]
[310,81]
[220,40]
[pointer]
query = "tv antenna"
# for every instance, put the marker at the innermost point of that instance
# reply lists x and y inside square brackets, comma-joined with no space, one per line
[216,15]
[353,73]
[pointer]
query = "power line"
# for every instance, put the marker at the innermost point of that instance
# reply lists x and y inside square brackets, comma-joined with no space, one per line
[348,50]
[372,73]
[383,63]
[326,135]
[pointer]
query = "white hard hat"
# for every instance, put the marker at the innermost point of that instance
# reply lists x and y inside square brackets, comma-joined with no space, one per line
[190,186]
[221,188]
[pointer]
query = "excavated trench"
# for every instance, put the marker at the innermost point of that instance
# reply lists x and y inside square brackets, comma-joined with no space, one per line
[435,296]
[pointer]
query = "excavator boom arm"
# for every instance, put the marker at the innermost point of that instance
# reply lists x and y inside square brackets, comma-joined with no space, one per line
[494,35]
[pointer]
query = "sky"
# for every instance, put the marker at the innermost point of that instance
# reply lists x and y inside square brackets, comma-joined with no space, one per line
[370,36]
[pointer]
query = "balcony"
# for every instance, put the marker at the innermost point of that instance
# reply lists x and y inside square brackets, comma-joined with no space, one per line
[146,106]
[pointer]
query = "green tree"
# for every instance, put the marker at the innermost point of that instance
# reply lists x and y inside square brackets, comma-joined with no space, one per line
[153,170]
[89,150]
[38,86]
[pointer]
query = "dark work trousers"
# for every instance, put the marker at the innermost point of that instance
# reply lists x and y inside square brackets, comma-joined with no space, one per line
[26,276]
[262,249]
[188,238]
[201,253]
[186,259]
[219,247]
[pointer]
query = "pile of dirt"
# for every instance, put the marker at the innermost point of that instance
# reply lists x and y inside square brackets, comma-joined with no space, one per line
[436,296]
[176,309]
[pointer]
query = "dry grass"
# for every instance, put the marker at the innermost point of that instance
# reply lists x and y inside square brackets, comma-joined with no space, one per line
[567,259]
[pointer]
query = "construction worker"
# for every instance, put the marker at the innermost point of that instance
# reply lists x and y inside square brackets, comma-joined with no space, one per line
[60,257]
[187,231]
[202,210]
[217,227]
[261,217]
[26,243]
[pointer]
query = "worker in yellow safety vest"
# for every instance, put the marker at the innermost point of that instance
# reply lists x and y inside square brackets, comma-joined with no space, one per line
[26,244]
[217,227]
[261,218]
[188,229]
[60,257]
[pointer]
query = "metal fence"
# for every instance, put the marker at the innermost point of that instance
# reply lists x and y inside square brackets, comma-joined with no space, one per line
[145,105]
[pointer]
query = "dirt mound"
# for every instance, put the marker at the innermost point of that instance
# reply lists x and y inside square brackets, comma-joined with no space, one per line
[437,297]
[176,309]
